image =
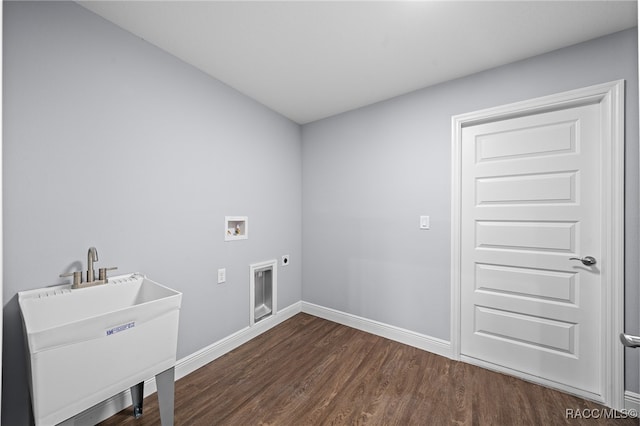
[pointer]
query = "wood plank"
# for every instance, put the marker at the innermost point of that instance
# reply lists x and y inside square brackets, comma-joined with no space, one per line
[309,371]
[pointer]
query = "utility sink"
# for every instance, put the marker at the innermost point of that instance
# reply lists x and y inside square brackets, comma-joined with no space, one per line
[86,345]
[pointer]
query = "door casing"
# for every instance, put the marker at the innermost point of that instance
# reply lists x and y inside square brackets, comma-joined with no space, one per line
[610,97]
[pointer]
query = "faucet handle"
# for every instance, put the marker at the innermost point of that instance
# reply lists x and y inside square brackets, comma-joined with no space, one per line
[77,277]
[102,273]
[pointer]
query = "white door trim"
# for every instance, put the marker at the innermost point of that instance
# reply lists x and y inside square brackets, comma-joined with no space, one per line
[1,196]
[611,98]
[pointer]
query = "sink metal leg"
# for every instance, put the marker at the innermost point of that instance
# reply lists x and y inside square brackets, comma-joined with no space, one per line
[137,395]
[165,382]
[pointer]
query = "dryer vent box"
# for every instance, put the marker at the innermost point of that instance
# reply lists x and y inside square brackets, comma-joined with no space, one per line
[263,290]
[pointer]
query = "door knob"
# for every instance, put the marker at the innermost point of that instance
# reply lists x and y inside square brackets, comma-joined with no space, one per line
[587,260]
[629,340]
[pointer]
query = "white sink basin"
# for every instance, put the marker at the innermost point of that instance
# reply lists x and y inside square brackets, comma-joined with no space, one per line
[86,345]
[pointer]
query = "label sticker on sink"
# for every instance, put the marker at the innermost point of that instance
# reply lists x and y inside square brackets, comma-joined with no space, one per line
[120,328]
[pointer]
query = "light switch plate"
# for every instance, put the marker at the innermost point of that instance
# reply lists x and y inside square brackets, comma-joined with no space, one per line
[222,275]
[424,222]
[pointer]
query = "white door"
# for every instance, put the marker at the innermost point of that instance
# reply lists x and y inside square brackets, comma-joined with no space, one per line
[530,209]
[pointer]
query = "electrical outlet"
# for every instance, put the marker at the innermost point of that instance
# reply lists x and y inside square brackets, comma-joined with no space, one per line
[222,275]
[285,260]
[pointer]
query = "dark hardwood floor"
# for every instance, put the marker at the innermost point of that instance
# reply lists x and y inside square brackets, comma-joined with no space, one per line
[309,371]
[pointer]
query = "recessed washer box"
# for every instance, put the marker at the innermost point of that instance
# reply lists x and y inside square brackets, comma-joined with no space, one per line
[236,228]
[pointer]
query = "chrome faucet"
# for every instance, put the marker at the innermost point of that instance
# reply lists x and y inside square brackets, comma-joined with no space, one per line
[92,256]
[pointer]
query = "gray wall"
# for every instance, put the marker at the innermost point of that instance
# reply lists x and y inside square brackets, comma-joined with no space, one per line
[370,173]
[110,142]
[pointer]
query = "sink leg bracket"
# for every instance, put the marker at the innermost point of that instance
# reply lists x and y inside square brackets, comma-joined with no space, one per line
[165,382]
[137,396]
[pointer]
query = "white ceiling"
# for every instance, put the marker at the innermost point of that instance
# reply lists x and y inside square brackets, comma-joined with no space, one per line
[310,60]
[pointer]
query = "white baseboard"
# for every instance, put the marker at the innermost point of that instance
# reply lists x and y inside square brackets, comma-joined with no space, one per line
[184,366]
[631,402]
[204,356]
[208,354]
[411,338]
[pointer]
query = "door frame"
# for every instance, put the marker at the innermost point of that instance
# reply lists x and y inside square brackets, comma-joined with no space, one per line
[1,197]
[611,98]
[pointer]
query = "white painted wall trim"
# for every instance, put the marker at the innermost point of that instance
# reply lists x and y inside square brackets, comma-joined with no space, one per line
[632,402]
[184,367]
[411,338]
[611,97]
[210,353]
[1,208]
